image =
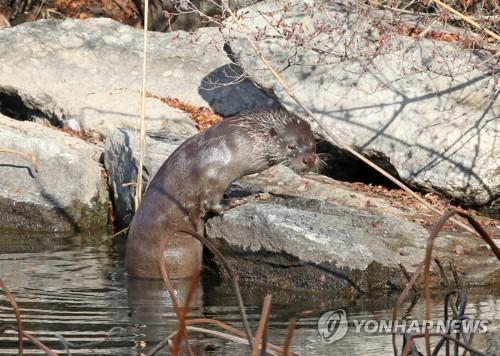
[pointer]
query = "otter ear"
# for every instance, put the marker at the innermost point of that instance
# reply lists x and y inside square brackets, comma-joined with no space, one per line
[272,132]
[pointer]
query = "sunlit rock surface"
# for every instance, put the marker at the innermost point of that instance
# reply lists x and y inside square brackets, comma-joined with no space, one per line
[68,193]
[91,71]
[429,108]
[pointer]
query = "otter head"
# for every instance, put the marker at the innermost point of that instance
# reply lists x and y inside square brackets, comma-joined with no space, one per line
[295,144]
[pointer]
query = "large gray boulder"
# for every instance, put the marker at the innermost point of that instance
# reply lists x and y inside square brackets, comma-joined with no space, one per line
[69,193]
[303,236]
[91,71]
[273,241]
[429,108]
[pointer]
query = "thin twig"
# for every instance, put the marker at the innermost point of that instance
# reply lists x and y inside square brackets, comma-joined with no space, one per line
[118,233]
[400,301]
[454,272]
[234,279]
[231,329]
[274,350]
[12,301]
[493,18]
[468,19]
[225,336]
[289,336]
[30,337]
[454,339]
[138,190]
[71,345]
[171,292]
[428,255]
[185,308]
[129,9]
[158,347]
[263,348]
[218,323]
[166,281]
[262,324]
[408,277]
[29,155]
[445,282]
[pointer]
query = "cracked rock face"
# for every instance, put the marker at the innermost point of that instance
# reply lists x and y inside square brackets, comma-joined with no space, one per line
[90,71]
[69,192]
[121,158]
[429,107]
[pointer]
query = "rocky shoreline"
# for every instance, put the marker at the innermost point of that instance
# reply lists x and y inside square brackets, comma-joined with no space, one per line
[69,94]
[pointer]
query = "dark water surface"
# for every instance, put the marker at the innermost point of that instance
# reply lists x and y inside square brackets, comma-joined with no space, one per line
[76,287]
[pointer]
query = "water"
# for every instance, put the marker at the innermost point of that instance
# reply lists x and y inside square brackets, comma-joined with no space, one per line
[76,287]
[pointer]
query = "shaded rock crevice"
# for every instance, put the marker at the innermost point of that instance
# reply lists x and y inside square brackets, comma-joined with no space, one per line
[121,159]
[23,107]
[343,166]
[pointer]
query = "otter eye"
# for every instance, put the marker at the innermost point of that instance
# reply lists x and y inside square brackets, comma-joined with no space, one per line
[292,147]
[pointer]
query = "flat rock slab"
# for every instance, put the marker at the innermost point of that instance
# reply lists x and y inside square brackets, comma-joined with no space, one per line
[69,192]
[428,108]
[91,71]
[281,181]
[303,243]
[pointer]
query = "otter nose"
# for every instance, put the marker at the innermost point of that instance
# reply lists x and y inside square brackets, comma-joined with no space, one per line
[309,160]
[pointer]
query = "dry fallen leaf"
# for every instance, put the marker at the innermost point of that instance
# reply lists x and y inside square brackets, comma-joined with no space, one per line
[204,117]
[263,196]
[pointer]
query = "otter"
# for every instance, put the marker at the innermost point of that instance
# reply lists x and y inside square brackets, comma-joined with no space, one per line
[191,182]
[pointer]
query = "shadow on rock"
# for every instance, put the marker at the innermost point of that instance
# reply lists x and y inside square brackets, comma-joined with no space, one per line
[229,91]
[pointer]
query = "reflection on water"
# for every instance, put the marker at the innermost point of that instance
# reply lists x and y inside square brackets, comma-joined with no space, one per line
[76,287]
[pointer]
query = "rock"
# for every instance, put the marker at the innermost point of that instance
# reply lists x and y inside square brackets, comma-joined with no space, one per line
[301,230]
[91,71]
[73,125]
[281,181]
[305,243]
[121,158]
[429,108]
[69,193]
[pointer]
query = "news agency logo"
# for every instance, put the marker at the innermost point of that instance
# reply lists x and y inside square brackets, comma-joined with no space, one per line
[333,326]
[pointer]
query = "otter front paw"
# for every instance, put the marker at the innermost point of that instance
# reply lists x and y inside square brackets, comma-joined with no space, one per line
[217,209]
[212,210]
